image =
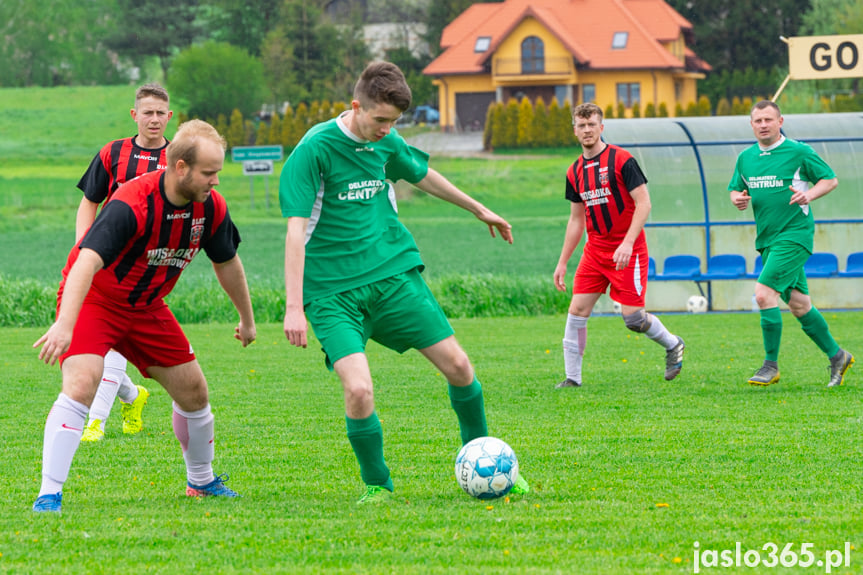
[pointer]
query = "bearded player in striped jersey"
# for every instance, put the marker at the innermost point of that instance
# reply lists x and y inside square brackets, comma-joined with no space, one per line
[610,200]
[118,162]
[112,297]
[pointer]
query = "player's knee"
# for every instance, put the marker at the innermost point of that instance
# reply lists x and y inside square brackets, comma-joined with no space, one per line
[639,322]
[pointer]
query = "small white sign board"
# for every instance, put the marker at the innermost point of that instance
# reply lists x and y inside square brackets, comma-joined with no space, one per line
[257,167]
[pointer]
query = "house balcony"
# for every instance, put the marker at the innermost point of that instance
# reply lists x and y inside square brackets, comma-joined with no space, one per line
[519,70]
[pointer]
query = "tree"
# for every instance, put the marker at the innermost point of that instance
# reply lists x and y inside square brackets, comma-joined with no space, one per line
[307,58]
[156,28]
[51,42]
[730,34]
[243,24]
[541,133]
[826,17]
[236,134]
[525,124]
[214,77]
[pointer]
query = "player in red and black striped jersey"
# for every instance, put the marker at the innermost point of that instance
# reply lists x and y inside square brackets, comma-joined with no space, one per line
[116,163]
[610,200]
[112,296]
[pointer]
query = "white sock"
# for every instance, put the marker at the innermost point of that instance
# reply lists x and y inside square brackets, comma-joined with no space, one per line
[128,390]
[63,429]
[112,375]
[574,342]
[195,431]
[660,334]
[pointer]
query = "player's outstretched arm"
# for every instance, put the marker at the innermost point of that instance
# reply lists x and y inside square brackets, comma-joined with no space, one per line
[295,324]
[55,342]
[232,278]
[571,239]
[437,185]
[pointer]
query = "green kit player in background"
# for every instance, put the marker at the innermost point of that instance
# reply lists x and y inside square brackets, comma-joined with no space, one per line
[353,269]
[774,176]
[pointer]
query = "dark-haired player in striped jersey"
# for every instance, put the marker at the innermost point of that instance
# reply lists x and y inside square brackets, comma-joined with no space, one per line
[112,297]
[610,200]
[118,162]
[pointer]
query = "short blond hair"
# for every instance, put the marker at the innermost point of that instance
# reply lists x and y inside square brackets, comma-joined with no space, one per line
[184,146]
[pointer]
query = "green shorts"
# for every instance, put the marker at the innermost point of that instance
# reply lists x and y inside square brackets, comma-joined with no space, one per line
[783,269]
[398,312]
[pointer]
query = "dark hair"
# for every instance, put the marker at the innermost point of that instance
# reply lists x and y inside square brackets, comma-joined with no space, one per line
[383,83]
[184,146]
[765,104]
[586,111]
[151,91]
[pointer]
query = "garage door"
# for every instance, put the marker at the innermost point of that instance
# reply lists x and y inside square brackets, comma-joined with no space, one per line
[470,110]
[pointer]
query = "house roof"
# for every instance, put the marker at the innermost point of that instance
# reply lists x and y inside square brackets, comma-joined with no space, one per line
[585,27]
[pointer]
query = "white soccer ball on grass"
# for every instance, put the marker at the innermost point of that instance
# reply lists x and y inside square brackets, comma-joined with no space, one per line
[486,468]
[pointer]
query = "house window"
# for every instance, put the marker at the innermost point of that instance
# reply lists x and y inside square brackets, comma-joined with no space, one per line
[629,93]
[619,40]
[482,44]
[588,93]
[532,56]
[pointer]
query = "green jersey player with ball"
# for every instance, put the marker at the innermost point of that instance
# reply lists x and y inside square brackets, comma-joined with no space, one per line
[353,270]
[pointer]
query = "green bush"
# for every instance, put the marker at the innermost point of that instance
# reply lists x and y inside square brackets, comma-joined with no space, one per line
[541,134]
[26,303]
[215,78]
[703,107]
[609,111]
[691,109]
[723,107]
[636,109]
[236,135]
[525,124]
[498,129]
[488,128]
[663,110]
[621,110]
[560,124]
[650,110]
[485,295]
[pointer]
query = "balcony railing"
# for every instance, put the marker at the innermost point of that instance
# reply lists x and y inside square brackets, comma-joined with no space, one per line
[518,67]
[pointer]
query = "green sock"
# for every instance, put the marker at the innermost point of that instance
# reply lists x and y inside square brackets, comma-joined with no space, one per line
[771,330]
[470,409]
[367,439]
[815,326]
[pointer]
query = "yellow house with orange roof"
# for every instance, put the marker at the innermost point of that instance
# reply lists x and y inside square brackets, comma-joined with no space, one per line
[602,51]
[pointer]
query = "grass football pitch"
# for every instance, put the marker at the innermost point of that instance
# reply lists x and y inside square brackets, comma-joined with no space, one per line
[628,472]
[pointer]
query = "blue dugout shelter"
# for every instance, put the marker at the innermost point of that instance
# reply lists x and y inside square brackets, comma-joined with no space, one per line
[689,162]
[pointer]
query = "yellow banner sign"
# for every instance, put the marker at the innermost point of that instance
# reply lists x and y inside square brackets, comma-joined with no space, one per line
[817,57]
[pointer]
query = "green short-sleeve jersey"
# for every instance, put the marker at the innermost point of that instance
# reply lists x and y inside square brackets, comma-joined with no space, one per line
[343,185]
[767,175]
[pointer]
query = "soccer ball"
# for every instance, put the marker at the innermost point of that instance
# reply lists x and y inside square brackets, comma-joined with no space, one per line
[696,304]
[486,468]
[615,307]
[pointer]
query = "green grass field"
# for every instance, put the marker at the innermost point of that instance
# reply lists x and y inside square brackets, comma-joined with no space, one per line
[627,472]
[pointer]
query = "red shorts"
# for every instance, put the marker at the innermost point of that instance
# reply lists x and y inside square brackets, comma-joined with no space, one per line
[596,271]
[149,337]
